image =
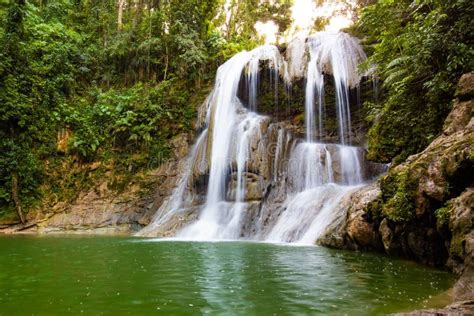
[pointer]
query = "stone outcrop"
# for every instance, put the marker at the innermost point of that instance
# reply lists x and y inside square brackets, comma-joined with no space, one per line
[461,258]
[461,226]
[465,88]
[354,229]
[464,308]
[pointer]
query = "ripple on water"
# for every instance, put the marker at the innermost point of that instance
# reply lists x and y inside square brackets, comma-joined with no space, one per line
[140,276]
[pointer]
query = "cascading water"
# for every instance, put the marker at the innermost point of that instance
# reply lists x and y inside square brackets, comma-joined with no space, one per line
[267,53]
[220,219]
[284,193]
[308,209]
[176,202]
[223,115]
[338,54]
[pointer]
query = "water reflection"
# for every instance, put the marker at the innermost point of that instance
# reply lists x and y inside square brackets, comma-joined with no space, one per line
[221,283]
[138,276]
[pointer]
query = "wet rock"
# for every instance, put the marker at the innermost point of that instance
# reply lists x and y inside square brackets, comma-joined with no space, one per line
[360,228]
[354,228]
[175,223]
[462,251]
[250,219]
[435,187]
[390,243]
[98,214]
[443,170]
[404,216]
[464,287]
[180,146]
[417,244]
[463,308]
[254,187]
[361,231]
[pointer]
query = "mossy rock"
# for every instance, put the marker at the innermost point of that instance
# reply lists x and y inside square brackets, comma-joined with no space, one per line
[398,195]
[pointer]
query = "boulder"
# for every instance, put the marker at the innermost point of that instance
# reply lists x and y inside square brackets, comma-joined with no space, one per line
[360,228]
[459,118]
[354,228]
[390,242]
[466,86]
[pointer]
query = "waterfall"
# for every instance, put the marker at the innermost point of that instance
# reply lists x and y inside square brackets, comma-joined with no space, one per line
[222,122]
[314,193]
[268,53]
[314,86]
[307,214]
[308,166]
[176,201]
[220,219]
[351,168]
[252,83]
[223,115]
[308,210]
[246,130]
[263,182]
[338,54]
[278,153]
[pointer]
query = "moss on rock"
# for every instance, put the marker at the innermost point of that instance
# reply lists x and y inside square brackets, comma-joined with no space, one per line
[398,195]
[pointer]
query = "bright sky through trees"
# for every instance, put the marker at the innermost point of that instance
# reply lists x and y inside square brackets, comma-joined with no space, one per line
[304,14]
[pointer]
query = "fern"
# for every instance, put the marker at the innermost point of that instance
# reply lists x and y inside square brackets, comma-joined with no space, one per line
[400,61]
[395,76]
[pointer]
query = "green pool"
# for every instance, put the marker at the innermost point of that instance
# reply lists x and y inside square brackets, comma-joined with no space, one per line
[61,275]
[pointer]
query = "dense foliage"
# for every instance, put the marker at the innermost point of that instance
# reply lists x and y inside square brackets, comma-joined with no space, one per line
[420,49]
[112,81]
[108,81]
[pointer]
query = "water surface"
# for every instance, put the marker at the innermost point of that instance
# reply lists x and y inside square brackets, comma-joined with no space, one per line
[58,275]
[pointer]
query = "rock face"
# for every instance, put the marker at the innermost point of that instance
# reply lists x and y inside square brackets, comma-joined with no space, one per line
[466,87]
[462,244]
[98,213]
[101,210]
[461,226]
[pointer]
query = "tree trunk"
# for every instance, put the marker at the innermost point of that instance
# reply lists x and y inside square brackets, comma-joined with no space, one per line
[121,3]
[150,12]
[166,62]
[16,198]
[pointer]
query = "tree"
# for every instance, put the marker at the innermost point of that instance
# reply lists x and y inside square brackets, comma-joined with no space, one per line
[420,49]
[10,59]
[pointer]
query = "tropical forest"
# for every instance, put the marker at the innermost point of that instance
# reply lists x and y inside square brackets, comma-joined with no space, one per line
[236,157]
